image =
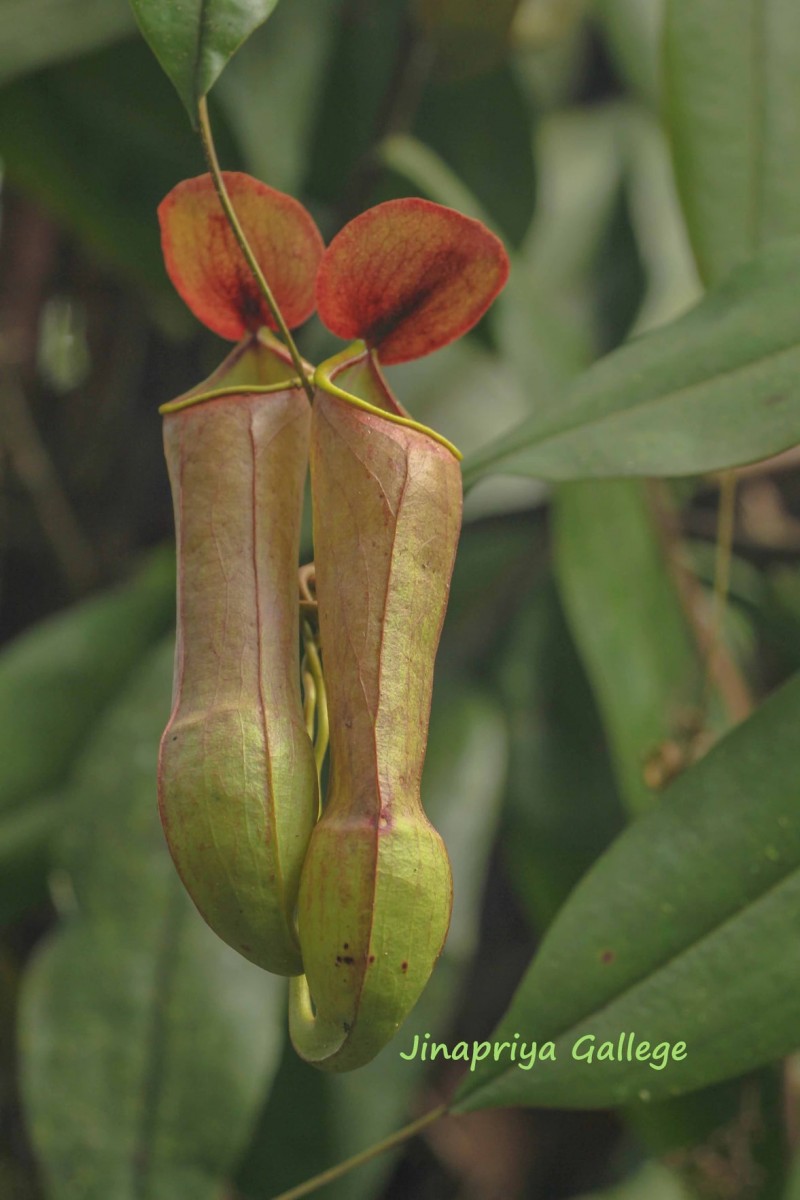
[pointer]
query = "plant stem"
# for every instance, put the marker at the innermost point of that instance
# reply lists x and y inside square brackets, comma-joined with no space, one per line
[320,711]
[343,1168]
[309,698]
[225,200]
[722,571]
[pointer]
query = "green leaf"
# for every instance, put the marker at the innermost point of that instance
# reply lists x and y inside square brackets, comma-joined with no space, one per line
[496,563]
[25,837]
[429,172]
[628,622]
[733,89]
[579,163]
[281,1151]
[718,387]
[39,32]
[147,1044]
[462,788]
[537,344]
[98,144]
[195,40]
[562,807]
[482,128]
[672,280]
[463,391]
[270,92]
[618,276]
[360,65]
[685,930]
[633,31]
[57,678]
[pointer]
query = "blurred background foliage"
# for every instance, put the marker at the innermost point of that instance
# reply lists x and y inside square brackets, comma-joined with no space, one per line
[138,1058]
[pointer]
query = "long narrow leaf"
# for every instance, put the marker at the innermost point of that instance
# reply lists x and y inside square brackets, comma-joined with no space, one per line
[147,1044]
[713,389]
[733,91]
[56,678]
[626,616]
[684,931]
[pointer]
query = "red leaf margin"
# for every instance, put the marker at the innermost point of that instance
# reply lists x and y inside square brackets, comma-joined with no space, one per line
[208,269]
[408,276]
